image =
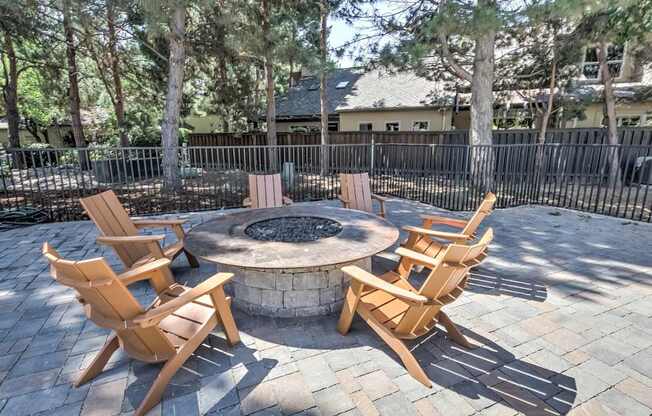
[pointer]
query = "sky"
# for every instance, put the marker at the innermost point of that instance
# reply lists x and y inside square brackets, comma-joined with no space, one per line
[342,33]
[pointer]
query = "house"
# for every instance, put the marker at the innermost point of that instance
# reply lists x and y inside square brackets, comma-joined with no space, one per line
[382,100]
[56,134]
[299,110]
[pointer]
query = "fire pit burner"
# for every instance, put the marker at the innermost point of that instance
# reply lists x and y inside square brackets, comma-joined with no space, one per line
[293,229]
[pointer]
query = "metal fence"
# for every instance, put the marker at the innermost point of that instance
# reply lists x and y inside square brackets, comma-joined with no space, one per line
[611,180]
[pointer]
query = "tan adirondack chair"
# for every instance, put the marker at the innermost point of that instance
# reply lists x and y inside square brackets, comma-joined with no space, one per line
[425,239]
[356,193]
[167,331]
[121,232]
[395,310]
[266,191]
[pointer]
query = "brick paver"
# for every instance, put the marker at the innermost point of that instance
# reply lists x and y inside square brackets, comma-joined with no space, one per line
[561,310]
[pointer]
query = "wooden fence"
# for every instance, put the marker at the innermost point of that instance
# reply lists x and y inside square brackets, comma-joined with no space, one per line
[628,136]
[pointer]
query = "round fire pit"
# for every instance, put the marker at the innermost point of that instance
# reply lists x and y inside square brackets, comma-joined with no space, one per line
[287,261]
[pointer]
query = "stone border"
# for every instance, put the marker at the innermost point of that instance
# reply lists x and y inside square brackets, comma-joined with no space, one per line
[290,293]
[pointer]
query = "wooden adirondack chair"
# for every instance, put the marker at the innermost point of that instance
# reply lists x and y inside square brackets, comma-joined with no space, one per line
[395,310]
[425,239]
[356,193]
[167,331]
[266,191]
[121,232]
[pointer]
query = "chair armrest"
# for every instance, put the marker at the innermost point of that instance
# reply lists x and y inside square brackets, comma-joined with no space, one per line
[246,202]
[381,200]
[144,223]
[368,279]
[143,272]
[155,315]
[287,201]
[455,237]
[451,222]
[113,241]
[417,258]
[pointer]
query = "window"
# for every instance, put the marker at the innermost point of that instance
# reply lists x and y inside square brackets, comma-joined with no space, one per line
[648,120]
[392,126]
[615,57]
[515,118]
[629,121]
[333,126]
[420,126]
[365,127]
[303,129]
[341,85]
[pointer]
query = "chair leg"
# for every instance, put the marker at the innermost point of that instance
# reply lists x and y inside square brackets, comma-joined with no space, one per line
[452,331]
[223,308]
[192,260]
[171,367]
[348,308]
[99,361]
[399,347]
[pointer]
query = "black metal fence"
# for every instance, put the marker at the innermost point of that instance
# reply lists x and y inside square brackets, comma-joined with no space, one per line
[611,180]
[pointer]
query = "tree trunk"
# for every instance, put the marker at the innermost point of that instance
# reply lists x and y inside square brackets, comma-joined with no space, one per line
[73,89]
[170,127]
[543,128]
[323,94]
[269,79]
[119,106]
[612,123]
[223,79]
[11,94]
[482,101]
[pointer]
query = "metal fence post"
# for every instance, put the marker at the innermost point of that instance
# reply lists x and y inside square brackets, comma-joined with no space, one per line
[373,155]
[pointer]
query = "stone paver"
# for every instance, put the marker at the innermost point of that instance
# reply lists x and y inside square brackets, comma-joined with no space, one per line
[561,309]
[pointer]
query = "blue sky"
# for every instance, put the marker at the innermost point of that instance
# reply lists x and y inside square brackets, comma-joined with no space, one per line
[341,32]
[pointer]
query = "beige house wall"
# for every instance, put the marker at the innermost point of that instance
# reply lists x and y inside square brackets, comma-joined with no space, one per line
[211,123]
[203,124]
[595,112]
[438,119]
[55,136]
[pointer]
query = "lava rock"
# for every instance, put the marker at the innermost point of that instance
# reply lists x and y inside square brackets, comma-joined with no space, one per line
[293,229]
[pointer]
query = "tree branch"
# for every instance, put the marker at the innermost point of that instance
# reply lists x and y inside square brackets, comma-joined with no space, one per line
[449,61]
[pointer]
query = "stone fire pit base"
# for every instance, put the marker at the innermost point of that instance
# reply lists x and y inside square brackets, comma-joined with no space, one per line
[286,293]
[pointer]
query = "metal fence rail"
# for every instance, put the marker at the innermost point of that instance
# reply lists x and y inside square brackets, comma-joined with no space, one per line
[611,180]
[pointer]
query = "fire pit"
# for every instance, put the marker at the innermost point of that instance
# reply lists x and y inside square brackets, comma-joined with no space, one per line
[293,229]
[286,260]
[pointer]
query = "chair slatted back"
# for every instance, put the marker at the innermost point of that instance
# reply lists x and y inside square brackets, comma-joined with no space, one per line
[108,303]
[266,191]
[110,217]
[356,190]
[485,208]
[444,284]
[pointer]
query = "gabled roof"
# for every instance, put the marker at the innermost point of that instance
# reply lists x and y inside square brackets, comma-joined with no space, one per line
[380,89]
[302,100]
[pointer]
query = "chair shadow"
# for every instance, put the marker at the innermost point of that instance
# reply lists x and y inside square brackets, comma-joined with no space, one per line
[485,282]
[490,373]
[204,384]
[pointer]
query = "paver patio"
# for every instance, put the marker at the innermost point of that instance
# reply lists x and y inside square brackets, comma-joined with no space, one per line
[562,309]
